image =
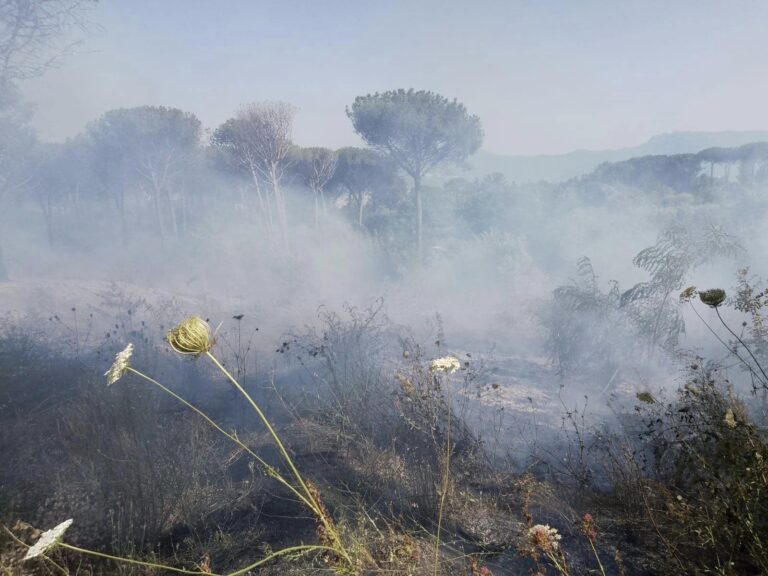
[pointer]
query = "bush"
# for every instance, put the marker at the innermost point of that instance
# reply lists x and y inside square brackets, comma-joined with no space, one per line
[711,459]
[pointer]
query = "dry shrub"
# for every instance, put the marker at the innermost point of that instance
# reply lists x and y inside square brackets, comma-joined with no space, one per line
[151,470]
[711,500]
[689,478]
[139,474]
[374,407]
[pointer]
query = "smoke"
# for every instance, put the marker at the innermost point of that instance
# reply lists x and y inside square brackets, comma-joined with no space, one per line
[489,289]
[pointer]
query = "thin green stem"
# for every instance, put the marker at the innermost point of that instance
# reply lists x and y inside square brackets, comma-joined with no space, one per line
[725,344]
[22,543]
[597,556]
[136,562]
[266,422]
[269,469]
[562,569]
[667,544]
[765,376]
[283,552]
[313,504]
[59,566]
[444,490]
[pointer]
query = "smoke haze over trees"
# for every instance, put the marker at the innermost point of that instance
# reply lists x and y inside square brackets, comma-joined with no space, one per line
[403,353]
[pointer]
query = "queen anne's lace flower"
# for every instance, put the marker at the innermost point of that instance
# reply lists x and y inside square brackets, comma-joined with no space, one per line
[688,294]
[48,540]
[545,538]
[448,364]
[192,336]
[120,365]
[712,298]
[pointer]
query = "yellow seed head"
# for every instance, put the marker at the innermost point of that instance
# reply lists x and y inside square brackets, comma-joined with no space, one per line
[646,397]
[192,336]
[712,298]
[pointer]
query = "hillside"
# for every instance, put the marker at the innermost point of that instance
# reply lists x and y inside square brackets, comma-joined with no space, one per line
[565,166]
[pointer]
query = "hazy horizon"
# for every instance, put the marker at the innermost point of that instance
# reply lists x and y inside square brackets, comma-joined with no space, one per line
[539,76]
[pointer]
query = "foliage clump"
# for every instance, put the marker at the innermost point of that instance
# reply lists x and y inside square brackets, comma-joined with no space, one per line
[710,458]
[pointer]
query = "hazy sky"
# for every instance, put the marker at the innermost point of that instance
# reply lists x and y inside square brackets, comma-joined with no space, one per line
[544,76]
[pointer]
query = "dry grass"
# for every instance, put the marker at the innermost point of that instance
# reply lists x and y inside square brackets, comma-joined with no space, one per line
[683,483]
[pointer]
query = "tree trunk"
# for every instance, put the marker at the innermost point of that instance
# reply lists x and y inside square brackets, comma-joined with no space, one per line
[266,209]
[47,209]
[3,269]
[317,207]
[323,204]
[183,209]
[282,214]
[120,204]
[123,224]
[49,226]
[158,214]
[172,209]
[419,220]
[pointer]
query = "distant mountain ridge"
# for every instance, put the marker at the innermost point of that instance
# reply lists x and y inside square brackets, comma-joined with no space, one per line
[561,167]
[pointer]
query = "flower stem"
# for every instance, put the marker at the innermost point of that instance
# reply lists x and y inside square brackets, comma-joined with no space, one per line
[444,490]
[283,552]
[310,499]
[562,569]
[269,469]
[727,347]
[597,556]
[292,550]
[132,561]
[22,543]
[765,376]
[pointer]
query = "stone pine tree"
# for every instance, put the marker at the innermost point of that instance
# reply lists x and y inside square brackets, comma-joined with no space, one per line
[315,168]
[418,130]
[33,37]
[365,177]
[149,148]
[258,139]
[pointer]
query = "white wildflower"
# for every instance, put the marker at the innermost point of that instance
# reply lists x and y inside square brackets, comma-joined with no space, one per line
[544,537]
[48,540]
[448,364]
[120,365]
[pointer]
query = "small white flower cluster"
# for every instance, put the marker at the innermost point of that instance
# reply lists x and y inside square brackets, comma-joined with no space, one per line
[120,365]
[48,540]
[544,537]
[448,364]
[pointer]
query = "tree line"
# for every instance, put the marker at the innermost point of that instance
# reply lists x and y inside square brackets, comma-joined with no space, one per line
[157,161]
